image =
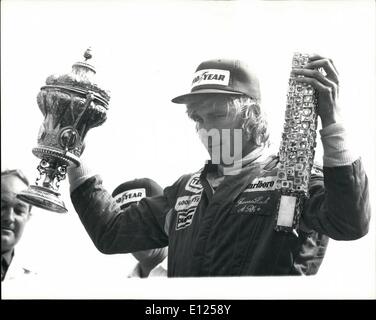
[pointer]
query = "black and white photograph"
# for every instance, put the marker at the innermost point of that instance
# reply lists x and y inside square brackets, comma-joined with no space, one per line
[188,150]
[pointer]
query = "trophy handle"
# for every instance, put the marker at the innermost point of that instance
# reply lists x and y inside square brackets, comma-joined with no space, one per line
[80,119]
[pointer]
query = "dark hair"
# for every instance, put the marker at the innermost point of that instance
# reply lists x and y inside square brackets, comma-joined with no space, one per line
[17,173]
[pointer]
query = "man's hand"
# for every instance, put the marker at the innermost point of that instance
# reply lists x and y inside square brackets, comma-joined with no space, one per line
[139,271]
[151,256]
[148,260]
[326,85]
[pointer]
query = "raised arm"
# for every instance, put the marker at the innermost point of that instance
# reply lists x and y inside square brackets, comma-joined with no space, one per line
[138,227]
[339,201]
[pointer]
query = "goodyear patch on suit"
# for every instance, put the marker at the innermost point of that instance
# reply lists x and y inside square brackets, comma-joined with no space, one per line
[186,207]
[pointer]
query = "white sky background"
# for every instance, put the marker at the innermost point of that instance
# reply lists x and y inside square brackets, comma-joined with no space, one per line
[145,54]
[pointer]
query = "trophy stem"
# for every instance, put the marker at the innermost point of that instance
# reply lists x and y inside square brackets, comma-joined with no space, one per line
[45,193]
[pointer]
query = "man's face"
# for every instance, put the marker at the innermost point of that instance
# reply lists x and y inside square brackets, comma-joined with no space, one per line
[220,132]
[14,212]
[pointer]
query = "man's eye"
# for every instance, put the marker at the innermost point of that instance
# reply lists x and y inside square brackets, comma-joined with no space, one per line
[196,118]
[217,116]
[20,211]
[3,205]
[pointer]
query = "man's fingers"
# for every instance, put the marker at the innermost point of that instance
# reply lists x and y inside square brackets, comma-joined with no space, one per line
[328,67]
[309,73]
[315,56]
[317,85]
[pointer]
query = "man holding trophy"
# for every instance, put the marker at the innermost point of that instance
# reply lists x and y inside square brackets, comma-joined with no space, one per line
[246,212]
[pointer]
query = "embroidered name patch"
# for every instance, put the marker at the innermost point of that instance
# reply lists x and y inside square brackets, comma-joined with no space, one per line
[133,195]
[186,207]
[259,205]
[194,185]
[211,76]
[262,184]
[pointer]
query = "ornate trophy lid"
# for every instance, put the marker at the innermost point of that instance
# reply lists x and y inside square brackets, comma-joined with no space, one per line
[80,80]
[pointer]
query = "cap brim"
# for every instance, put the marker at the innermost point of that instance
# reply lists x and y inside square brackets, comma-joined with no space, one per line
[201,94]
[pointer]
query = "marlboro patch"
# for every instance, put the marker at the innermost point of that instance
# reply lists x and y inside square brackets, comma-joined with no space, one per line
[262,184]
[211,76]
[186,207]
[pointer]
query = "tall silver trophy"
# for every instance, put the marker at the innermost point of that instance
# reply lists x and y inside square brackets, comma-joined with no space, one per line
[297,149]
[71,105]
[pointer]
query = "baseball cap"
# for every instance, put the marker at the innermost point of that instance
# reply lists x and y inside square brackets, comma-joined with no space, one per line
[222,76]
[133,191]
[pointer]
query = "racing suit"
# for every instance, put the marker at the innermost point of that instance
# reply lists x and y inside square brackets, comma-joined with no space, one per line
[227,228]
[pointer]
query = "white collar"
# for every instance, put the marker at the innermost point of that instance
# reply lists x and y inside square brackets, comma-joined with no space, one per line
[255,156]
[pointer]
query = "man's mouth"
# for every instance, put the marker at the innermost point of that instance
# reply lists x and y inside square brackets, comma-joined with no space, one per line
[6,230]
[213,145]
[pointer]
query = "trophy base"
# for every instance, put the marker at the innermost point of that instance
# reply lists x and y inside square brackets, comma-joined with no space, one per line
[44,198]
[50,152]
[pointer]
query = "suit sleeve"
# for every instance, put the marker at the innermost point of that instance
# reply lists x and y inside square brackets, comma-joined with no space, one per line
[138,227]
[338,204]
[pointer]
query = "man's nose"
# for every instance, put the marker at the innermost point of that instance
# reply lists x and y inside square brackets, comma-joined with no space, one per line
[207,125]
[7,215]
